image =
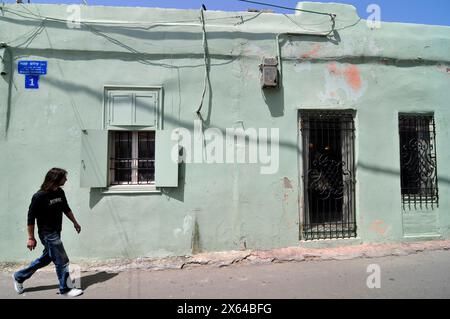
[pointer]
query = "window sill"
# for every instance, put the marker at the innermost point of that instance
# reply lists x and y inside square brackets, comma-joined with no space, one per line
[131,189]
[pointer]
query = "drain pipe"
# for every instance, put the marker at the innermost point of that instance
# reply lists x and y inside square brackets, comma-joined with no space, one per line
[6,72]
[3,62]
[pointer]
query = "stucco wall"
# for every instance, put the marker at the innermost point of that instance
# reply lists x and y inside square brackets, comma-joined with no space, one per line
[377,72]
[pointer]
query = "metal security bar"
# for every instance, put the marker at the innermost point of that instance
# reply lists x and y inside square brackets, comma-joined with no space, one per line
[328,175]
[133,158]
[418,168]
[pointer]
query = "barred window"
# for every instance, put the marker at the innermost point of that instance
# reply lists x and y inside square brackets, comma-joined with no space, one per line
[328,174]
[132,160]
[418,171]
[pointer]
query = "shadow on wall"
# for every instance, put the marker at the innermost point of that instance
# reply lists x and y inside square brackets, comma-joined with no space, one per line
[388,171]
[96,195]
[177,193]
[274,99]
[135,32]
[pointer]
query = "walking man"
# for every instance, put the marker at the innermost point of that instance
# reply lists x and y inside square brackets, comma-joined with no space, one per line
[47,207]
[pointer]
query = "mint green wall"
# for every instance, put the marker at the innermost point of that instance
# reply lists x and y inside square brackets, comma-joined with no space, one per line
[379,73]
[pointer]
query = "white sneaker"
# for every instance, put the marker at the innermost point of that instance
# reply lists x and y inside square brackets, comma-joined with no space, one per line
[17,285]
[74,292]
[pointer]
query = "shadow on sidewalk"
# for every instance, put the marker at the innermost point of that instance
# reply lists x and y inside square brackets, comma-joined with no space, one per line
[86,281]
[96,279]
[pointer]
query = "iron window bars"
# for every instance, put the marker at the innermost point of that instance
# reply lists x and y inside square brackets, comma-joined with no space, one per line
[418,169]
[328,174]
[132,160]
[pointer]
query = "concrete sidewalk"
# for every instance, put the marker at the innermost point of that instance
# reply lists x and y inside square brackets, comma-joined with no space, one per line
[252,257]
[421,275]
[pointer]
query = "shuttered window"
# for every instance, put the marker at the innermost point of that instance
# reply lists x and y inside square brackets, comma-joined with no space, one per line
[132,149]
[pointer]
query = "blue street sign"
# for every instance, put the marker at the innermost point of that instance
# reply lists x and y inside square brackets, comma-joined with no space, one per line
[32,67]
[32,81]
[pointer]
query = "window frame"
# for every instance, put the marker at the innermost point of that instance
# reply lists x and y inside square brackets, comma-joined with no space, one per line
[130,188]
[347,131]
[420,200]
[134,159]
[159,107]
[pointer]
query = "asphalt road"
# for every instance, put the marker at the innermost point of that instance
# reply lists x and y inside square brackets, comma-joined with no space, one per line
[422,275]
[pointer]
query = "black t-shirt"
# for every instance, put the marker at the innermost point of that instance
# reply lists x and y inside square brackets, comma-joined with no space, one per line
[47,208]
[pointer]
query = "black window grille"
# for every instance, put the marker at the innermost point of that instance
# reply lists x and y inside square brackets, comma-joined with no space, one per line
[328,175]
[418,169]
[132,160]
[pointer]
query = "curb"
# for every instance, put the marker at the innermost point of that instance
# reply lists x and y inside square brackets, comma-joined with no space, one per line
[252,257]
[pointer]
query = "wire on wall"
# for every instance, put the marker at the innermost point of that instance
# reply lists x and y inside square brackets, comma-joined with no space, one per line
[205,58]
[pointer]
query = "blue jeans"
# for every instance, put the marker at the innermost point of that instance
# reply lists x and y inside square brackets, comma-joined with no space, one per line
[53,252]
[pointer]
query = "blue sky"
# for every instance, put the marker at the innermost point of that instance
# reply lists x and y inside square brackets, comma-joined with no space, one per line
[409,11]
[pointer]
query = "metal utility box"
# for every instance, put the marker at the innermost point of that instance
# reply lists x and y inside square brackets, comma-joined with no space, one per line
[269,73]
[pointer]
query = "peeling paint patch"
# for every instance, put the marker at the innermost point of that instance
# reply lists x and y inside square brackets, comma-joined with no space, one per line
[288,189]
[332,68]
[353,77]
[252,49]
[443,68]
[304,66]
[312,53]
[187,226]
[350,73]
[287,183]
[379,227]
[343,82]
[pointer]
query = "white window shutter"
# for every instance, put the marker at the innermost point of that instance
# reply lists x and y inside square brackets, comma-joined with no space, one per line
[145,109]
[166,168]
[94,158]
[120,108]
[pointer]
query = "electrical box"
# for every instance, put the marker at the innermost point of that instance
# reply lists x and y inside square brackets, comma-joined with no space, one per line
[269,73]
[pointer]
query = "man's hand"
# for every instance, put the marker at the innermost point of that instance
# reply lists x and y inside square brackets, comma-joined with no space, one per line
[31,244]
[77,227]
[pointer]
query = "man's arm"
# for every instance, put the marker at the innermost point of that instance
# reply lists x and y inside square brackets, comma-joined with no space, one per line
[31,244]
[68,212]
[32,211]
[70,215]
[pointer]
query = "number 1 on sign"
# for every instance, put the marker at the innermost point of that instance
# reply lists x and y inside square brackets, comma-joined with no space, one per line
[31,81]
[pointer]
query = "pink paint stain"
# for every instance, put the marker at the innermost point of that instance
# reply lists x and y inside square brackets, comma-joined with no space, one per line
[350,73]
[333,69]
[313,53]
[379,227]
[353,77]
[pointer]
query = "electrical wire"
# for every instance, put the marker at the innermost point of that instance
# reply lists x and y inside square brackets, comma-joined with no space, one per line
[205,57]
[123,23]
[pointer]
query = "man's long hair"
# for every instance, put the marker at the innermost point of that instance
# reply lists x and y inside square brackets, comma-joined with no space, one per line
[53,179]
